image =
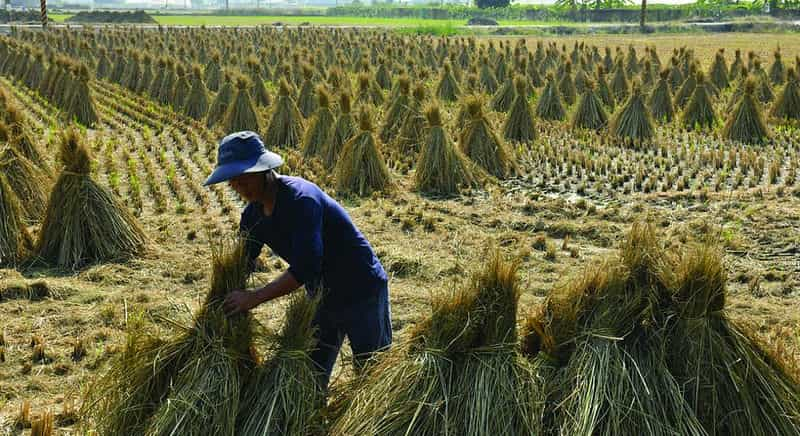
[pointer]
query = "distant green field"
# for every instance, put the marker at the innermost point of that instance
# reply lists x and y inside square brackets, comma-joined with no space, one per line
[222,20]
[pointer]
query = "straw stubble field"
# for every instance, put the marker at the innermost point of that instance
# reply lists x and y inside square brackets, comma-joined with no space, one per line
[567,205]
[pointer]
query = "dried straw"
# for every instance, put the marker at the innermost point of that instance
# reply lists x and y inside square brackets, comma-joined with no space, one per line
[320,128]
[361,169]
[15,241]
[85,222]
[519,125]
[590,113]
[286,125]
[481,144]
[241,114]
[343,131]
[746,124]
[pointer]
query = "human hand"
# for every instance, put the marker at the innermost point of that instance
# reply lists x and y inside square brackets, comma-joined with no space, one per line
[240,302]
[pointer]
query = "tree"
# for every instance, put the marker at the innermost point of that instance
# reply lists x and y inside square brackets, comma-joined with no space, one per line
[644,13]
[492,3]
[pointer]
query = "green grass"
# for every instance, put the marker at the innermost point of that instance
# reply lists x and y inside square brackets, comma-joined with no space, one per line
[418,25]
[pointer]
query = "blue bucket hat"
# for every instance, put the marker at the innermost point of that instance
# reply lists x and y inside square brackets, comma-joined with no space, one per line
[241,153]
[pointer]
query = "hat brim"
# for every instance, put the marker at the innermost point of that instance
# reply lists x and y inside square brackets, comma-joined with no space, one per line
[223,173]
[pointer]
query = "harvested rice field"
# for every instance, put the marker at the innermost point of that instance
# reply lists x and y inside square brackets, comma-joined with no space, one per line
[594,236]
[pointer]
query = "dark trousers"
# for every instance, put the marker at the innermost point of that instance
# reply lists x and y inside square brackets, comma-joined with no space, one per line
[367,324]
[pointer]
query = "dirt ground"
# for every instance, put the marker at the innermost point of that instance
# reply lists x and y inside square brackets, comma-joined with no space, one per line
[427,245]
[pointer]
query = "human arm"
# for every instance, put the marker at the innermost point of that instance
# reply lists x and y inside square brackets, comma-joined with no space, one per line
[242,301]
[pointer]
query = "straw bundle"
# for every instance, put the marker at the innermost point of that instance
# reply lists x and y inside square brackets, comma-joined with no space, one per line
[306,101]
[260,95]
[361,169]
[603,91]
[777,72]
[763,83]
[787,106]
[27,181]
[213,72]
[700,111]
[457,374]
[286,125]
[282,396]
[719,71]
[137,381]
[746,124]
[504,97]
[519,125]
[320,128]
[566,86]
[606,336]
[442,169]
[619,82]
[204,397]
[368,91]
[448,88]
[589,113]
[197,102]
[15,241]
[81,104]
[481,144]
[20,137]
[686,90]
[397,111]
[414,129]
[241,114]
[660,102]
[343,131]
[84,222]
[220,104]
[180,93]
[633,121]
[486,77]
[731,382]
[549,106]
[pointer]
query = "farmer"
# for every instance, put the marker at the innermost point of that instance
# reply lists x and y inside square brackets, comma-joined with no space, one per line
[324,249]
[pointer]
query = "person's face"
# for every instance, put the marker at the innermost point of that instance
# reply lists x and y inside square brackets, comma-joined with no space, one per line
[248,186]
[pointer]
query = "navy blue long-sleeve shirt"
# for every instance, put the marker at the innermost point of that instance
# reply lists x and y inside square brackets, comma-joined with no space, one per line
[315,236]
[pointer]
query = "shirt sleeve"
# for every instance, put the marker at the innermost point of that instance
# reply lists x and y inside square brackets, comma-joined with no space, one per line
[252,246]
[307,246]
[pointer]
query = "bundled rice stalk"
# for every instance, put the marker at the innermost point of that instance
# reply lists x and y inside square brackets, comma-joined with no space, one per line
[519,125]
[660,102]
[589,113]
[633,122]
[205,394]
[413,129]
[320,128]
[686,90]
[487,79]
[763,82]
[286,125]
[282,396]
[27,181]
[306,101]
[457,374]
[498,390]
[85,222]
[138,379]
[442,169]
[197,102]
[549,106]
[481,144]
[213,72]
[223,99]
[504,97]
[368,91]
[448,88]
[15,241]
[603,91]
[777,72]
[566,86]
[731,381]
[619,83]
[397,111]
[719,71]
[361,169]
[746,124]
[787,107]
[700,111]
[19,136]
[260,95]
[241,114]
[81,104]
[343,131]
[180,93]
[606,334]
